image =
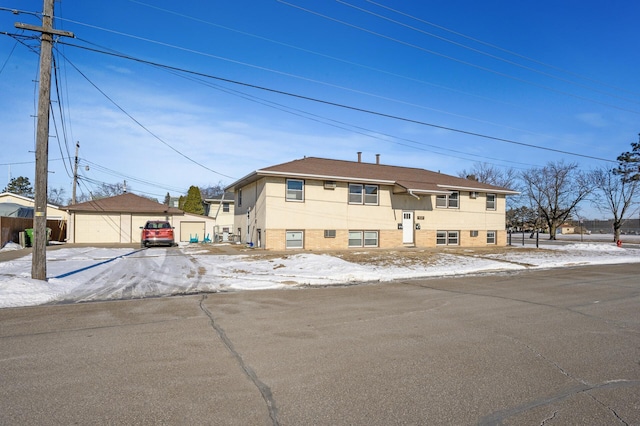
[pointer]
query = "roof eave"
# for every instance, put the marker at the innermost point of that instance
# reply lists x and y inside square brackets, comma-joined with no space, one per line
[494,190]
[263,173]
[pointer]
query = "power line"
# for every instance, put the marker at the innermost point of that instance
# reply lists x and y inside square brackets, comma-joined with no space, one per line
[510,52]
[359,91]
[339,105]
[350,127]
[138,122]
[460,61]
[129,177]
[498,58]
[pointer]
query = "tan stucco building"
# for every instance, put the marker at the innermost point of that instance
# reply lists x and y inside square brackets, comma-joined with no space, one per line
[222,209]
[118,220]
[317,203]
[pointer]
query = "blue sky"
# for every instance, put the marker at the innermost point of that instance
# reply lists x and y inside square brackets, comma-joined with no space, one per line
[561,76]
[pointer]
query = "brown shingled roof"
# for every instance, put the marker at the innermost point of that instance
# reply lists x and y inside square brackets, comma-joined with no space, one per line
[127,203]
[405,179]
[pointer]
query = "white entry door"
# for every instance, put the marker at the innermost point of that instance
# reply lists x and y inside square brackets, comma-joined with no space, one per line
[407,227]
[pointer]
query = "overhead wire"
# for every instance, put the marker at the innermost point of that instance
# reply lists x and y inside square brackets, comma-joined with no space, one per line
[8,57]
[481,52]
[146,129]
[62,119]
[324,55]
[362,110]
[350,127]
[510,52]
[361,128]
[128,177]
[68,156]
[343,106]
[386,98]
[460,61]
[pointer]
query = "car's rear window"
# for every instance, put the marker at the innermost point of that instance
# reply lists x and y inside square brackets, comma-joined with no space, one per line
[157,225]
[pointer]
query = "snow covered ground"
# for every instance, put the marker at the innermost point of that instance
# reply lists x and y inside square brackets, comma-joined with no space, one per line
[78,274]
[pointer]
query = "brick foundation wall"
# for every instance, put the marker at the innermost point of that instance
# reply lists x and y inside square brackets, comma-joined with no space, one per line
[314,239]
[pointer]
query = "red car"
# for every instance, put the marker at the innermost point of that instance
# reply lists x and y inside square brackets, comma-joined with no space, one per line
[156,233]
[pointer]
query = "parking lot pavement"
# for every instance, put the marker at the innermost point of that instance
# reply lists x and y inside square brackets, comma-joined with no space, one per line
[512,348]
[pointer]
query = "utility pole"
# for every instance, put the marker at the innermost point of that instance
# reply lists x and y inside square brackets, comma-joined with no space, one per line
[75,175]
[39,257]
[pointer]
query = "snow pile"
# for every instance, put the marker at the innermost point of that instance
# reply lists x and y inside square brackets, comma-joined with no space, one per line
[91,274]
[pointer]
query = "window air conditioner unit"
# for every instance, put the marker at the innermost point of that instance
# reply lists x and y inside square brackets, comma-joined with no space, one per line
[329,184]
[329,233]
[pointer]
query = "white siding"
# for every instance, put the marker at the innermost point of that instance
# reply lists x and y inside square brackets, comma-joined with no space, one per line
[97,228]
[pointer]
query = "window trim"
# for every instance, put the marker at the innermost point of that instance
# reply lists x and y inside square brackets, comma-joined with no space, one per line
[361,193]
[447,238]
[495,202]
[286,240]
[363,238]
[457,238]
[329,233]
[456,198]
[366,194]
[448,200]
[299,192]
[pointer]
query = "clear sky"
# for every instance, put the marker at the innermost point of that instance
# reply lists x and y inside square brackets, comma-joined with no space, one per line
[520,83]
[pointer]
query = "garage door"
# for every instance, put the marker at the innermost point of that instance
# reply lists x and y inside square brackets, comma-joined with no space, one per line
[97,228]
[191,229]
[138,222]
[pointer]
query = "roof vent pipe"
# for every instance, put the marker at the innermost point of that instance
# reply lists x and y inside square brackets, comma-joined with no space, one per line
[377,158]
[359,156]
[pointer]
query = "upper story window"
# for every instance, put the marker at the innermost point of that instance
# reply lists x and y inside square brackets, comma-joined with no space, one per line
[363,194]
[239,197]
[371,195]
[225,207]
[448,201]
[491,201]
[295,190]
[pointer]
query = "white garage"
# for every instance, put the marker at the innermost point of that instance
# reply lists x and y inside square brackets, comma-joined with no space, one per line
[118,220]
[189,230]
[98,228]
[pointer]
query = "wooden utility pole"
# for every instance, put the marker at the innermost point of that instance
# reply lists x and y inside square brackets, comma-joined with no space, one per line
[39,243]
[75,175]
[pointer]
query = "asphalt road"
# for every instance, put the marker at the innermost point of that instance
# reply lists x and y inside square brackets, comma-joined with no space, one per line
[559,346]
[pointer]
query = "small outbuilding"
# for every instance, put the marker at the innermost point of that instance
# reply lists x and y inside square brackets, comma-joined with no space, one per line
[118,220]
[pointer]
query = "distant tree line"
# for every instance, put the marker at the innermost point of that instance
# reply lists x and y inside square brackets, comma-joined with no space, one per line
[551,195]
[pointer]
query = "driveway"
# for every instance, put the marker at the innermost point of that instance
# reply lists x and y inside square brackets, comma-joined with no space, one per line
[534,347]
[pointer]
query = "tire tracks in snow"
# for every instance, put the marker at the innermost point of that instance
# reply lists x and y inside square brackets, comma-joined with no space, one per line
[151,273]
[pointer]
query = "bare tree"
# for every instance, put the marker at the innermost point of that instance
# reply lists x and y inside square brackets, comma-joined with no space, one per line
[106,190]
[555,191]
[615,195]
[56,196]
[487,173]
[212,191]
